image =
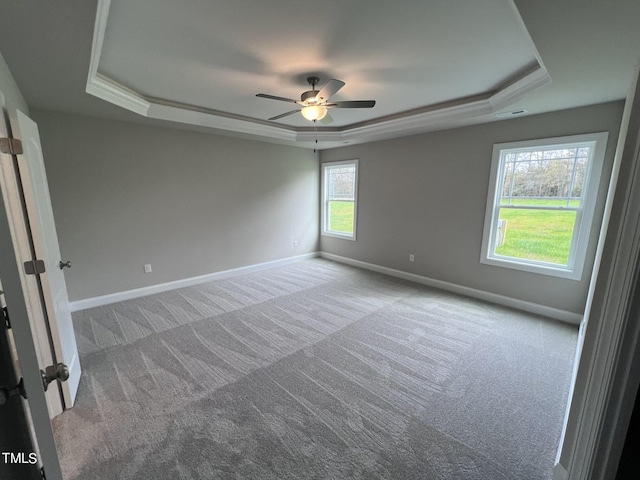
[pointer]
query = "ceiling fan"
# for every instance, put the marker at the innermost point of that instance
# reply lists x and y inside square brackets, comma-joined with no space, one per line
[315,103]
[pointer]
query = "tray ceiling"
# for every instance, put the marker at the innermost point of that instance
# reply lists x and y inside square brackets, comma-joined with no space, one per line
[201,63]
[408,55]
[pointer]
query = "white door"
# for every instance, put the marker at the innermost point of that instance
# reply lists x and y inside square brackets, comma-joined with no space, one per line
[21,243]
[18,291]
[25,341]
[45,242]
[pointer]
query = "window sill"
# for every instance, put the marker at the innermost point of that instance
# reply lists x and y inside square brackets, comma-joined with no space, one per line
[540,268]
[344,236]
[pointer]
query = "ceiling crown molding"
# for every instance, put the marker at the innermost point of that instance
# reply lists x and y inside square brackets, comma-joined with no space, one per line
[429,118]
[103,87]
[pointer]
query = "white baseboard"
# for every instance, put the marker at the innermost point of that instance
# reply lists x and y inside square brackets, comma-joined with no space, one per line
[563,315]
[185,282]
[555,313]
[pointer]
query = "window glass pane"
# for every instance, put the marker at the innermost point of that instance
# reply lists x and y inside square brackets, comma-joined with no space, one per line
[340,216]
[340,199]
[551,177]
[584,152]
[506,186]
[342,183]
[581,171]
[561,153]
[539,235]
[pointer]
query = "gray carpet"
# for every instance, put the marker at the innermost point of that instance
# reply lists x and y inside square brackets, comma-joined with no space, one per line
[315,370]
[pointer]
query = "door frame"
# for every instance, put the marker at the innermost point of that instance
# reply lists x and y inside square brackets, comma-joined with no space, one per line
[23,335]
[606,384]
[16,435]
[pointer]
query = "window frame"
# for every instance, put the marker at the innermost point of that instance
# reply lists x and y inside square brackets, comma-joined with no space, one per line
[326,167]
[584,214]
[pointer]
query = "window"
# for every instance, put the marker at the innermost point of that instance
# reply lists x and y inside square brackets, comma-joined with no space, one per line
[339,197]
[541,204]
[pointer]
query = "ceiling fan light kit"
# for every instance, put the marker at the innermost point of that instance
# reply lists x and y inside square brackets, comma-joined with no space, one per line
[314,112]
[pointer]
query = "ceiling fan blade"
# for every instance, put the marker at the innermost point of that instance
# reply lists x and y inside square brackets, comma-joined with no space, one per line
[284,115]
[273,97]
[352,104]
[327,119]
[330,88]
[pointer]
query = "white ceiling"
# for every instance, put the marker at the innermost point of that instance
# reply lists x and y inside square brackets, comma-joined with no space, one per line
[428,64]
[220,57]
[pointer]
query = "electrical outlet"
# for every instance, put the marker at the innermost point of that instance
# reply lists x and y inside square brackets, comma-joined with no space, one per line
[147,268]
[295,243]
[412,257]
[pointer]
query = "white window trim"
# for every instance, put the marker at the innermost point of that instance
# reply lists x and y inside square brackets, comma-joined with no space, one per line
[325,186]
[584,217]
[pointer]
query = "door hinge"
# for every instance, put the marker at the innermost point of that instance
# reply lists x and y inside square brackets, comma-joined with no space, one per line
[6,393]
[34,267]
[5,315]
[11,146]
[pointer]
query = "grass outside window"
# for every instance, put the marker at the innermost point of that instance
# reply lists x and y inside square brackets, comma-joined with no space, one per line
[538,235]
[341,216]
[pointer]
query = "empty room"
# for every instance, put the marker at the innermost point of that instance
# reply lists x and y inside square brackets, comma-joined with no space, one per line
[319,240]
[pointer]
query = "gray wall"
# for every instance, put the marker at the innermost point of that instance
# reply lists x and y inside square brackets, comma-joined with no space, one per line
[427,195]
[12,96]
[188,203]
